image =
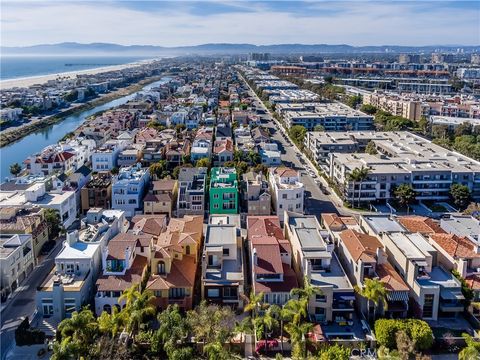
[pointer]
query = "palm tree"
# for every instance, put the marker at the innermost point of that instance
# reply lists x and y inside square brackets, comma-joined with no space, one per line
[267,322]
[358,175]
[112,323]
[296,309]
[307,291]
[244,327]
[15,169]
[374,291]
[140,309]
[255,304]
[130,295]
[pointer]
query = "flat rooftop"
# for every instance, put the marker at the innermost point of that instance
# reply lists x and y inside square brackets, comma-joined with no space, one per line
[336,277]
[383,223]
[220,234]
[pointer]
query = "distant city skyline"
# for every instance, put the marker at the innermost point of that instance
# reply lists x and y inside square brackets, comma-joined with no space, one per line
[185,23]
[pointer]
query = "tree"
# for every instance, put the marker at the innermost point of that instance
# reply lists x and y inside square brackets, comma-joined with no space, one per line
[335,352]
[158,170]
[179,128]
[373,290]
[76,335]
[172,332]
[354,100]
[439,131]
[368,109]
[358,175]
[114,171]
[371,148]
[460,195]
[319,128]
[54,223]
[253,157]
[139,310]
[237,155]
[204,162]
[267,322]
[297,133]
[404,194]
[405,345]
[130,295]
[471,351]
[15,169]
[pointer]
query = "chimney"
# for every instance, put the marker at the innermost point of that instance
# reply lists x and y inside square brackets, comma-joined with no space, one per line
[381,256]
[127,257]
[254,255]
[72,237]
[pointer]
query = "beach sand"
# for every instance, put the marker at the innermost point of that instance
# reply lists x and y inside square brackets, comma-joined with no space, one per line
[41,79]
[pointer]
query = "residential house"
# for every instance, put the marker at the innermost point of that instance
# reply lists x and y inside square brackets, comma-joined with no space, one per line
[97,193]
[222,279]
[256,196]
[17,261]
[315,260]
[128,189]
[223,152]
[271,259]
[191,191]
[28,221]
[287,190]
[269,154]
[174,262]
[223,191]
[124,264]
[161,198]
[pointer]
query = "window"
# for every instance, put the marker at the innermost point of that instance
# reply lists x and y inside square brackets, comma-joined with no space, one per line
[187,250]
[284,196]
[320,298]
[176,293]
[226,251]
[161,267]
[428,305]
[215,196]
[213,293]
[70,306]
[230,292]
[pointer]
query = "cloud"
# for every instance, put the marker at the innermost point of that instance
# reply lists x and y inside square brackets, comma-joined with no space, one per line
[268,22]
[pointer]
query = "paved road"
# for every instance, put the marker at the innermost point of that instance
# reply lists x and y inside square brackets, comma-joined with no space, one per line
[316,201]
[23,303]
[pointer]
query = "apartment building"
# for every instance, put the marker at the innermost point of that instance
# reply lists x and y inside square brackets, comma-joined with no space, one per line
[17,261]
[222,279]
[124,264]
[314,258]
[256,195]
[52,159]
[293,96]
[435,291]
[223,191]
[287,191]
[97,192]
[128,189]
[174,261]
[191,191]
[161,198]
[395,104]
[105,157]
[28,221]
[331,116]
[403,158]
[271,259]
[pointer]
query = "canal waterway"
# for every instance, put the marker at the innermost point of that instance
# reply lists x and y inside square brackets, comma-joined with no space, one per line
[18,151]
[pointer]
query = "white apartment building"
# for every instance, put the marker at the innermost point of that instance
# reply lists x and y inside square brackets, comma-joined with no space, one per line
[105,157]
[402,158]
[287,191]
[128,188]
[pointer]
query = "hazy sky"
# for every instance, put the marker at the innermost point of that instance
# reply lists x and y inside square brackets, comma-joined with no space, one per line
[268,22]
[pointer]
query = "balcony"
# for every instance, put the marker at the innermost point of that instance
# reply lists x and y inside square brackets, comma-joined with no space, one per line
[451,306]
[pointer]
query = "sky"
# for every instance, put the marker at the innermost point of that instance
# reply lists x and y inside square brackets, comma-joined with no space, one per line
[179,23]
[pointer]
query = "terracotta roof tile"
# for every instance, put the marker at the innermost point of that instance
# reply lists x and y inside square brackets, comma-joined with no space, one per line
[149,224]
[392,280]
[420,224]
[456,246]
[123,282]
[360,246]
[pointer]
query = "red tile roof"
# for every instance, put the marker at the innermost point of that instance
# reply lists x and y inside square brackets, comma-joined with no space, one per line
[223,145]
[473,281]
[117,246]
[420,224]
[289,282]
[283,171]
[360,246]
[456,246]
[392,280]
[122,282]
[149,224]
[182,275]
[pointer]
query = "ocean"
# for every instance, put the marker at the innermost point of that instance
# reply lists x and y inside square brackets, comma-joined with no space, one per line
[14,67]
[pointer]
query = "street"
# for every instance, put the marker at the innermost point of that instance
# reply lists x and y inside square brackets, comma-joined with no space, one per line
[316,201]
[23,302]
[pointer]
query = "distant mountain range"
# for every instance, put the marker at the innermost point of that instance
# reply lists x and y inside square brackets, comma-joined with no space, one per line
[73,48]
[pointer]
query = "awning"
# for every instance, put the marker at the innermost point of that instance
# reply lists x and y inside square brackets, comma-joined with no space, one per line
[451,294]
[397,296]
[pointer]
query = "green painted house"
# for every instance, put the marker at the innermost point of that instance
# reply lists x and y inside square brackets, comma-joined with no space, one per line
[223,191]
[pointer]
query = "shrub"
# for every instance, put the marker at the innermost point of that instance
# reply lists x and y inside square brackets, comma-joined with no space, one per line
[417,330]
